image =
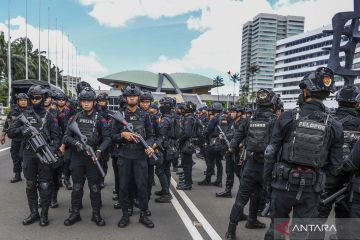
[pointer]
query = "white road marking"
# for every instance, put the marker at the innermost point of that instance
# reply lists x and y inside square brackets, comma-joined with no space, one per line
[195,234]
[4,149]
[206,225]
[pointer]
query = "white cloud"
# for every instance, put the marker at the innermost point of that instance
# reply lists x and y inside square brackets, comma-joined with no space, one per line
[88,66]
[218,47]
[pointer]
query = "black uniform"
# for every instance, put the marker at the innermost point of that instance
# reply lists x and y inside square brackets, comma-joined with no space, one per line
[132,159]
[95,128]
[309,142]
[216,147]
[187,148]
[15,149]
[350,119]
[257,131]
[38,175]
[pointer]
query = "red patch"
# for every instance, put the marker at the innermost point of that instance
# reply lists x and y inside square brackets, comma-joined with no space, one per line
[61,114]
[55,120]
[103,120]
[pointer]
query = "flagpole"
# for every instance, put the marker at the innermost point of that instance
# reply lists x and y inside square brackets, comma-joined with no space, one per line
[62,58]
[48,54]
[56,63]
[39,55]
[9,56]
[68,66]
[26,43]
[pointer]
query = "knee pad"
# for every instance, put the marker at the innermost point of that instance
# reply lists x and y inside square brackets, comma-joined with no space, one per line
[44,186]
[30,184]
[77,187]
[95,188]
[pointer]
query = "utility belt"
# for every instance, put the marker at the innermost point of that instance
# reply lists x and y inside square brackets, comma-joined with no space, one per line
[300,176]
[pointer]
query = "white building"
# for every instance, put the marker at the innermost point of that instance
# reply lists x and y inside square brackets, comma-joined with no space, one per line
[298,55]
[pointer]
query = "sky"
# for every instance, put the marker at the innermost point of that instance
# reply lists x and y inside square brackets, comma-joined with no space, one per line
[109,36]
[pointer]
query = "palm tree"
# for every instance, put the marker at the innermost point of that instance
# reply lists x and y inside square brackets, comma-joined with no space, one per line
[218,82]
[234,78]
[252,71]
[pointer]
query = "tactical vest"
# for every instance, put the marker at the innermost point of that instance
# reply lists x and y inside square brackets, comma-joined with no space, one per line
[88,127]
[137,119]
[259,132]
[351,136]
[309,141]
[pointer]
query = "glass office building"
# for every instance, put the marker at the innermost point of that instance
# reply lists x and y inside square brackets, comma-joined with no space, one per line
[259,38]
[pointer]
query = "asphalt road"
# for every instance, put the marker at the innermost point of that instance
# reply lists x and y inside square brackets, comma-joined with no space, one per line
[195,214]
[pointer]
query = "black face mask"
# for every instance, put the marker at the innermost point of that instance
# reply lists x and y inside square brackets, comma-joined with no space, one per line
[39,107]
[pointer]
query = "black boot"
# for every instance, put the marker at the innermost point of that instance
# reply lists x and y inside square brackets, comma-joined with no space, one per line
[125,220]
[73,218]
[33,217]
[165,198]
[159,193]
[44,220]
[67,183]
[231,232]
[147,212]
[96,218]
[225,194]
[217,183]
[205,182]
[54,203]
[184,186]
[117,205]
[256,224]
[145,220]
[16,178]
[115,197]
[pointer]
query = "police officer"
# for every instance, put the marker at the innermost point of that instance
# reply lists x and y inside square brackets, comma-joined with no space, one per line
[305,144]
[257,131]
[102,101]
[145,104]
[15,149]
[117,205]
[56,172]
[216,146]
[349,116]
[132,157]
[64,113]
[186,146]
[232,159]
[95,128]
[38,174]
[166,143]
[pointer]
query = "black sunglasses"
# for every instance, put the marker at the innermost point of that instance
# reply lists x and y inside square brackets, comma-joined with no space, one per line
[36,97]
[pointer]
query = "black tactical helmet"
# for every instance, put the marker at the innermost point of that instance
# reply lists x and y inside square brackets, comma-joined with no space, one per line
[87,94]
[35,90]
[190,107]
[217,107]
[49,93]
[266,97]
[319,81]
[102,96]
[348,94]
[180,106]
[61,95]
[146,96]
[171,102]
[131,90]
[279,104]
[21,96]
[237,108]
[81,86]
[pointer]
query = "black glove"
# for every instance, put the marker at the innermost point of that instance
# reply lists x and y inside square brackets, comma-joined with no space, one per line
[26,132]
[79,147]
[98,154]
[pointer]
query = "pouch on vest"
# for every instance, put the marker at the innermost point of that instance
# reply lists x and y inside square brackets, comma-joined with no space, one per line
[309,143]
[258,136]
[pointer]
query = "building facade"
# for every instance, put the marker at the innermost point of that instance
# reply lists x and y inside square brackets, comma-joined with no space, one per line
[259,38]
[299,55]
[71,82]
